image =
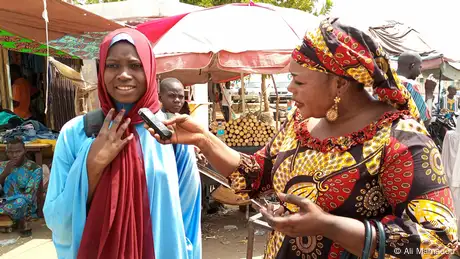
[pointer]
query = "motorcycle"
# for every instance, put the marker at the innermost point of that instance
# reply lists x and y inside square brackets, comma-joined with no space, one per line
[444,122]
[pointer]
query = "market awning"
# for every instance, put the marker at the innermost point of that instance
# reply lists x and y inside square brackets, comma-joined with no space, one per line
[66,21]
[84,46]
[396,37]
[12,42]
[439,65]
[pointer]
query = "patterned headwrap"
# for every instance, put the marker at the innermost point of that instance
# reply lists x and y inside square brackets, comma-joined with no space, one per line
[350,53]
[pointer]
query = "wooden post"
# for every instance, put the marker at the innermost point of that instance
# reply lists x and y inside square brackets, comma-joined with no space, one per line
[265,94]
[243,95]
[3,83]
[5,80]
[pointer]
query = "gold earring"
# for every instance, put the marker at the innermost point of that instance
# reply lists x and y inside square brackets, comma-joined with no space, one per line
[333,113]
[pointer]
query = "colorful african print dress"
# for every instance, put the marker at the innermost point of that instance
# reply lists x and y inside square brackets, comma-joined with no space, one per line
[20,190]
[390,171]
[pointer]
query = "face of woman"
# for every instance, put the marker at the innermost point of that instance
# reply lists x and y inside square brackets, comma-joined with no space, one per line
[124,75]
[312,91]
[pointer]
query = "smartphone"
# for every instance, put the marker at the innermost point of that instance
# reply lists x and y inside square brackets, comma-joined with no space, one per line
[257,204]
[154,123]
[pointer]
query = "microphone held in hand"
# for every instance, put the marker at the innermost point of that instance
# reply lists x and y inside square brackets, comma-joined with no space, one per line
[153,122]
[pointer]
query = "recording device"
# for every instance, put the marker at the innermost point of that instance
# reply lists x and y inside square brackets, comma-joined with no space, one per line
[257,204]
[155,123]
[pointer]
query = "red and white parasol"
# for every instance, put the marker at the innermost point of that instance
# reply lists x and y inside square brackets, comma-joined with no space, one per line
[224,41]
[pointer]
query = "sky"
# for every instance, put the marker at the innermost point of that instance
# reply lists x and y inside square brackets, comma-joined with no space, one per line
[436,20]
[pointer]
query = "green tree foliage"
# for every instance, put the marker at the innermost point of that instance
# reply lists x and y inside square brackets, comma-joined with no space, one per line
[304,5]
[94,1]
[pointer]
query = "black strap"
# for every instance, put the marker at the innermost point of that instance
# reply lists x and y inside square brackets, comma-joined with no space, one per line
[92,122]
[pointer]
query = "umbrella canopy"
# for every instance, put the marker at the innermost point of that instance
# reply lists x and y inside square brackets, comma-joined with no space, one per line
[224,41]
[441,67]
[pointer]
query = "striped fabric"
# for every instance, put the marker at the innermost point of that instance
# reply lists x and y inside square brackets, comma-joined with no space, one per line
[414,91]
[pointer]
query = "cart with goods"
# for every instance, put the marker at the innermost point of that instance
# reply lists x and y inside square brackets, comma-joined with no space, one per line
[246,131]
[247,135]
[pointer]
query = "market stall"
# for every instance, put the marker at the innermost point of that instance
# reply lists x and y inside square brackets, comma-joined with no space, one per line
[32,32]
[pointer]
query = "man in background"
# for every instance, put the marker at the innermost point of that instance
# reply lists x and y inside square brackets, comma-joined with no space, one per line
[409,68]
[20,179]
[226,101]
[172,95]
[450,102]
[21,92]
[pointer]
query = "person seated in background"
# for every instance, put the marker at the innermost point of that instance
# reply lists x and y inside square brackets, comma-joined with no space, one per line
[450,102]
[19,182]
[21,92]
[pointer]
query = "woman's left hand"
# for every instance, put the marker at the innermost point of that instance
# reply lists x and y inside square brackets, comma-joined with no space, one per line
[311,220]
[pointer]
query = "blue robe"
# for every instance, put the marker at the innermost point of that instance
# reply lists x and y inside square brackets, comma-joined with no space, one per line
[20,190]
[173,183]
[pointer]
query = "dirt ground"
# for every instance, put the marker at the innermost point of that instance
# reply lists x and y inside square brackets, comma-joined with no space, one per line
[221,240]
[219,243]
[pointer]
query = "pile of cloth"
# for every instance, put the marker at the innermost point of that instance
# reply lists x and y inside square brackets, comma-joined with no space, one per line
[9,120]
[30,131]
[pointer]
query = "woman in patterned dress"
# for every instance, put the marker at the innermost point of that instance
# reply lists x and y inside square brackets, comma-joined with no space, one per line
[343,158]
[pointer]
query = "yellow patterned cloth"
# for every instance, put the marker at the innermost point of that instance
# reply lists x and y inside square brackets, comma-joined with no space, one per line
[344,51]
[389,171]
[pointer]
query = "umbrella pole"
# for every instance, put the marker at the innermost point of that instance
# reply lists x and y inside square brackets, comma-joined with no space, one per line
[213,105]
[277,103]
[243,95]
[266,107]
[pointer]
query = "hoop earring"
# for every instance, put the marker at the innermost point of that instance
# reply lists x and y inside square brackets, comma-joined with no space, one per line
[333,113]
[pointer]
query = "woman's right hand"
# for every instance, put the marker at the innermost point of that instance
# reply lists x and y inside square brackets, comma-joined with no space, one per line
[185,131]
[110,141]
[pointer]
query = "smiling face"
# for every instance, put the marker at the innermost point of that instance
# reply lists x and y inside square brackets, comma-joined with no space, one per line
[124,75]
[312,91]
